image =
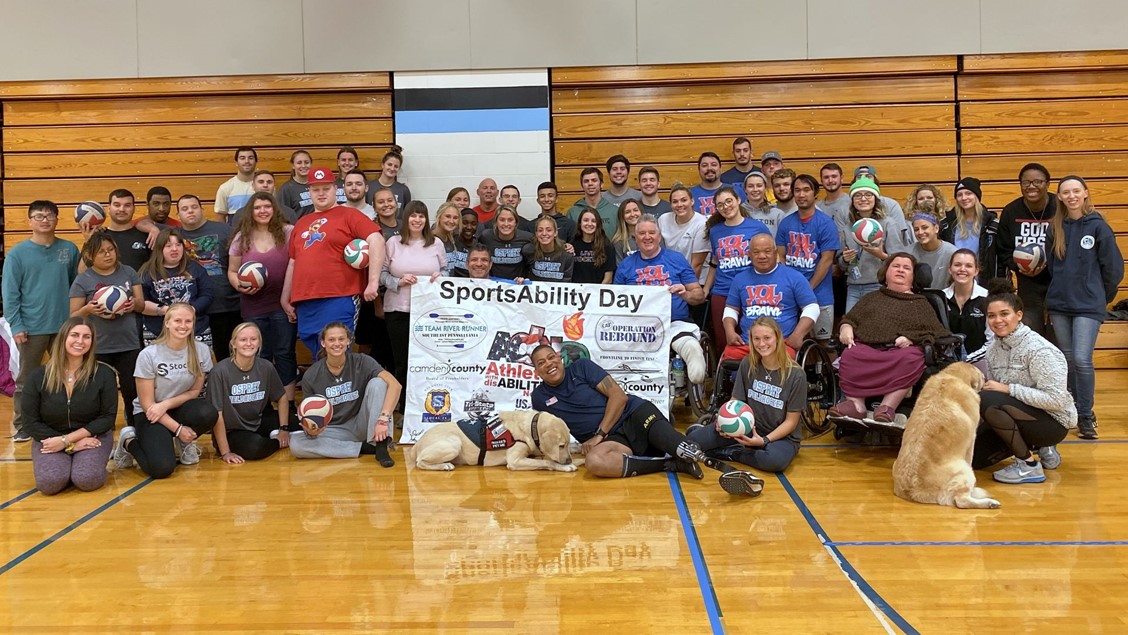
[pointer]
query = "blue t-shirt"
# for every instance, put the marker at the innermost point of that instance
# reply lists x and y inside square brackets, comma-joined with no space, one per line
[805,242]
[577,400]
[730,251]
[664,270]
[703,198]
[779,294]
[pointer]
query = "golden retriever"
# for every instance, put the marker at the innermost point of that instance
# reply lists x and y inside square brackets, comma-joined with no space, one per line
[934,464]
[445,446]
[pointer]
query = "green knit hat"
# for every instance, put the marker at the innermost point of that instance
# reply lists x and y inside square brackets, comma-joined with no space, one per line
[864,183]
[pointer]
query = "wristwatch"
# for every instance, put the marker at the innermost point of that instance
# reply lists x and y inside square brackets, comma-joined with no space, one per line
[601,434]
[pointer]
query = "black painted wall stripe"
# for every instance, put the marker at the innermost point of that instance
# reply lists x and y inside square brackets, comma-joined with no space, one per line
[471,98]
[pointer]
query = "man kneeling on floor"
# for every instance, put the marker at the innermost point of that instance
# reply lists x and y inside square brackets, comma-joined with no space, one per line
[622,435]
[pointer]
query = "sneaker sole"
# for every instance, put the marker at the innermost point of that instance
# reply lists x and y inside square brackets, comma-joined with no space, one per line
[742,484]
[1032,479]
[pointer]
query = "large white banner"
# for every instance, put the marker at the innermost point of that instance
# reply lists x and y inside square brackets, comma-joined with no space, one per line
[471,340]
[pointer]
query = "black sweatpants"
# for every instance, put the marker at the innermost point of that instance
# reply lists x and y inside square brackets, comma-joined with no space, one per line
[258,445]
[153,448]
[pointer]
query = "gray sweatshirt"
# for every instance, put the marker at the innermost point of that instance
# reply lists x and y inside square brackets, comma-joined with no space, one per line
[863,269]
[1036,372]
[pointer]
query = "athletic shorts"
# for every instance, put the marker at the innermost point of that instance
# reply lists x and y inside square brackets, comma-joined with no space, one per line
[825,324]
[633,431]
[314,315]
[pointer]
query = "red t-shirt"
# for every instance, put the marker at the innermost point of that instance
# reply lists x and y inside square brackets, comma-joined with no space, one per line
[317,246]
[484,216]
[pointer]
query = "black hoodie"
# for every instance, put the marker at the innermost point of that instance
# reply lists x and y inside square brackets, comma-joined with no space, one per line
[988,257]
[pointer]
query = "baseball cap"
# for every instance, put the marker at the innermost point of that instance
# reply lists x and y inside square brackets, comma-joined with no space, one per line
[865,168]
[318,176]
[768,156]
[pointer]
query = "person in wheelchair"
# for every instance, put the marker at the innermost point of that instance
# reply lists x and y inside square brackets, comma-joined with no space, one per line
[883,335]
[654,265]
[775,387]
[768,289]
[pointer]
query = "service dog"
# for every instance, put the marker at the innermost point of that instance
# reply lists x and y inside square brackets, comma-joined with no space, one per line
[934,464]
[513,441]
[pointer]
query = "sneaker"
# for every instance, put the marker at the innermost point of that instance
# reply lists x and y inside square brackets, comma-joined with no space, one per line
[847,409]
[274,434]
[1087,427]
[21,437]
[685,467]
[189,452]
[1050,457]
[1019,472]
[122,458]
[742,484]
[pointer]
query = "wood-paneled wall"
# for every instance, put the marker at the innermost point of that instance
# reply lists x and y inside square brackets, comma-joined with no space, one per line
[76,141]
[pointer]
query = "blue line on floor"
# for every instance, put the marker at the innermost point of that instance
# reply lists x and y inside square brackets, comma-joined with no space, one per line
[986,543]
[71,527]
[13,460]
[18,498]
[856,578]
[712,607]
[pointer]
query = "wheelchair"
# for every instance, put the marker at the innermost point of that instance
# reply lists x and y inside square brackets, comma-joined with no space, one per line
[696,396]
[945,351]
[822,388]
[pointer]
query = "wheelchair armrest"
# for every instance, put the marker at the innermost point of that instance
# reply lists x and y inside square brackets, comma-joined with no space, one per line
[945,348]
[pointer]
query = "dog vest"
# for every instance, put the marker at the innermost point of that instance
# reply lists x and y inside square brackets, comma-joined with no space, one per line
[487,435]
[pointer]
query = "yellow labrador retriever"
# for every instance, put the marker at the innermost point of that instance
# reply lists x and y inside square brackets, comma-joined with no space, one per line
[934,464]
[512,440]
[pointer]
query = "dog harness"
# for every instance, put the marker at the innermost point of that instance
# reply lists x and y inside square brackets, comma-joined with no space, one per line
[492,434]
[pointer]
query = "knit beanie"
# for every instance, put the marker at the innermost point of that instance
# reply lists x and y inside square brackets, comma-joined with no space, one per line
[972,184]
[864,184]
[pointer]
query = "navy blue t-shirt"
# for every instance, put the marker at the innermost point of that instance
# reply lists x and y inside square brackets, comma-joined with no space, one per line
[577,400]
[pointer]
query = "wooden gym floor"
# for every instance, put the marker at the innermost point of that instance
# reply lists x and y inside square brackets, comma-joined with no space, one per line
[344,546]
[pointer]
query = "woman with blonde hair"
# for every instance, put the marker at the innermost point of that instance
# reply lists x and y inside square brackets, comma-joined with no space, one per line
[168,410]
[69,408]
[242,388]
[546,259]
[771,383]
[1086,268]
[970,225]
[624,240]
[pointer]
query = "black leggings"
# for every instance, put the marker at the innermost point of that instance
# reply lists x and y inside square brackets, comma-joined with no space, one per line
[258,445]
[1011,428]
[399,332]
[124,363]
[153,448]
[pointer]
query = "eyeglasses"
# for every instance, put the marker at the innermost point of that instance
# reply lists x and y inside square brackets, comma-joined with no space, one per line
[39,218]
[107,252]
[727,203]
[865,195]
[1036,183]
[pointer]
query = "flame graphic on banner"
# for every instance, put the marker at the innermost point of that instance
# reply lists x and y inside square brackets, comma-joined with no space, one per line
[574,326]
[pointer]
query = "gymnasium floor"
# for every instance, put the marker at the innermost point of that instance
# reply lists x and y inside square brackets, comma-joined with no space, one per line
[345,546]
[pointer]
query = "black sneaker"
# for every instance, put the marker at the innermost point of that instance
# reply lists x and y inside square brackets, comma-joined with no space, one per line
[685,467]
[742,484]
[1087,427]
[21,437]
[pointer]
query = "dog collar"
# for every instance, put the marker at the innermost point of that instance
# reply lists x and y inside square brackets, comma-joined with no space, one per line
[536,433]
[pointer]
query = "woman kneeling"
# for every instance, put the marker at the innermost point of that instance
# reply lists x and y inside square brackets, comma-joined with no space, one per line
[69,408]
[776,388]
[359,388]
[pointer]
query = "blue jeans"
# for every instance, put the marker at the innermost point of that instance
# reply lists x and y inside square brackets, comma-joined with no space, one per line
[854,292]
[1077,337]
[278,335]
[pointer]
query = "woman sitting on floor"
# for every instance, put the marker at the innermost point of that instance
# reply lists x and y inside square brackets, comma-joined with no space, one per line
[883,335]
[1025,403]
[776,389]
[69,407]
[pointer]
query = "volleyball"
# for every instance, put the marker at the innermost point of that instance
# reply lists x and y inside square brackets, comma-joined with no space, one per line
[252,275]
[111,299]
[867,232]
[315,412]
[1028,258]
[735,418]
[356,253]
[90,212]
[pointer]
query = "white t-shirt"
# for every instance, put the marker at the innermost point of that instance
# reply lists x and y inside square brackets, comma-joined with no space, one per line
[687,239]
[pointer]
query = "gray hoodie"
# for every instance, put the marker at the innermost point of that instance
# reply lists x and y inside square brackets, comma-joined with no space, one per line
[1035,371]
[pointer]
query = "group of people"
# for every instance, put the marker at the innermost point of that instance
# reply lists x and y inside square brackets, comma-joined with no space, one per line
[753,254]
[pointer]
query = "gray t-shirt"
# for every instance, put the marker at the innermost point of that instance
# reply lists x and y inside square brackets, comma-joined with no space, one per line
[121,333]
[771,398]
[344,391]
[837,207]
[658,209]
[208,245]
[399,190]
[769,217]
[938,260]
[169,370]
[241,397]
[617,199]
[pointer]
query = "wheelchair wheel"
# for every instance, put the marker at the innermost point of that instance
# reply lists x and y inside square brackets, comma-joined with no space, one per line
[698,395]
[822,388]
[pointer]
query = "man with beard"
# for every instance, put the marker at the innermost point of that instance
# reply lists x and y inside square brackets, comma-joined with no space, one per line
[808,241]
[781,187]
[835,203]
[618,171]
[356,193]
[709,169]
[742,155]
[158,203]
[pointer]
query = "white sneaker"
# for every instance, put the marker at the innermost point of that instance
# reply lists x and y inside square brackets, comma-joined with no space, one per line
[189,452]
[274,434]
[121,457]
